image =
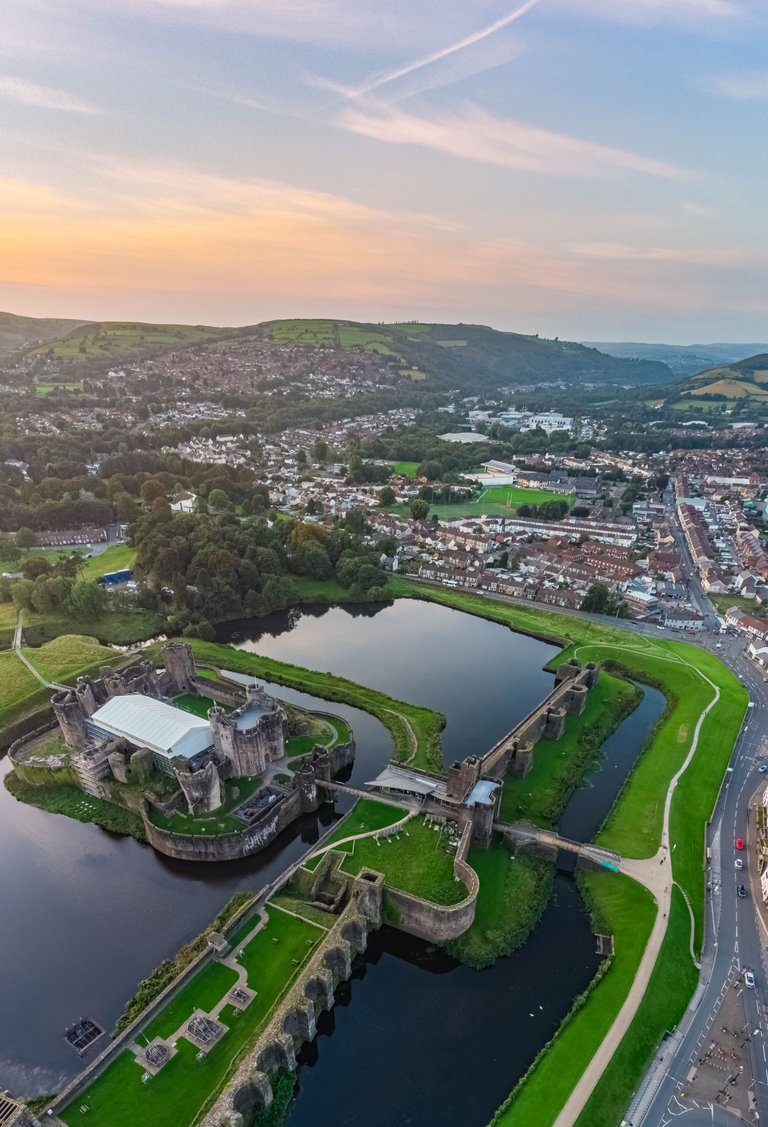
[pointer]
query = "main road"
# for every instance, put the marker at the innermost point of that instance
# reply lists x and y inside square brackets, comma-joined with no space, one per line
[735,935]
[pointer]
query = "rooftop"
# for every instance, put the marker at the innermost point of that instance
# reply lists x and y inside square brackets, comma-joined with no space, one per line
[146,722]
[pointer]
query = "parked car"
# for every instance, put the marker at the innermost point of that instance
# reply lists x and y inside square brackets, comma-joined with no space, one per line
[749,979]
[763,768]
[739,842]
[741,891]
[739,863]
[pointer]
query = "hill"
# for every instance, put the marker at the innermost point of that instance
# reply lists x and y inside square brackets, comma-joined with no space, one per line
[474,358]
[740,388]
[21,332]
[681,359]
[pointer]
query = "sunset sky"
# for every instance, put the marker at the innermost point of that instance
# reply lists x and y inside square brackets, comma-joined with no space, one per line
[592,169]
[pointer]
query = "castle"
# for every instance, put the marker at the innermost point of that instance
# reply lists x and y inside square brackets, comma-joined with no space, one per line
[121,726]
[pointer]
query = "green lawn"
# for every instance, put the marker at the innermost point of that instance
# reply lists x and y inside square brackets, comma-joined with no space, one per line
[365,815]
[49,388]
[407,469]
[419,862]
[493,501]
[405,722]
[181,1090]
[627,911]
[559,765]
[197,705]
[513,893]
[117,558]
[59,660]
[202,992]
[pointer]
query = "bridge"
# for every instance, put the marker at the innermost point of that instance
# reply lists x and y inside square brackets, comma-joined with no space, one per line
[514,752]
[525,833]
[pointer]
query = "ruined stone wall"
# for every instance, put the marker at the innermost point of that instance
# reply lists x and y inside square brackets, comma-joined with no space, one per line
[226,847]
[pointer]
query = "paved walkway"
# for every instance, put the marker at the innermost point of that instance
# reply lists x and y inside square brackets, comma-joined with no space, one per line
[383,831]
[25,660]
[656,875]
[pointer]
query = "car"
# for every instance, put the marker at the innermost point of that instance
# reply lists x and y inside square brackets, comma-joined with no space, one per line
[739,842]
[749,979]
[763,768]
[738,863]
[741,891]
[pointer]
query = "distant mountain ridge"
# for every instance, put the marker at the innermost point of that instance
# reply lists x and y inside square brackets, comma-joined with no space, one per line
[474,358]
[682,359]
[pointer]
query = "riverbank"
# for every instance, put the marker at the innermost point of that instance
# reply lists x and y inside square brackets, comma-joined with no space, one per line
[689,678]
[415,730]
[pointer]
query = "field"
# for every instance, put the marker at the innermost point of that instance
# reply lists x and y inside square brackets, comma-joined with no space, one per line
[513,893]
[733,389]
[494,501]
[324,333]
[49,388]
[179,1092]
[61,659]
[407,469]
[116,339]
[119,557]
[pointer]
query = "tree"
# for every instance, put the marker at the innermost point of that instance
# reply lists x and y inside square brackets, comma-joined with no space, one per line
[301,457]
[26,538]
[218,501]
[419,509]
[320,451]
[87,600]
[151,490]
[387,497]
[597,599]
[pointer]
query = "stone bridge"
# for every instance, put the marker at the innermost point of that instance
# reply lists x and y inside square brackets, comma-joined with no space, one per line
[514,752]
[549,842]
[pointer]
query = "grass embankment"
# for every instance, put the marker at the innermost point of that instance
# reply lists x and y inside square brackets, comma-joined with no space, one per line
[634,829]
[624,909]
[672,983]
[513,893]
[67,798]
[119,628]
[180,1092]
[415,731]
[559,765]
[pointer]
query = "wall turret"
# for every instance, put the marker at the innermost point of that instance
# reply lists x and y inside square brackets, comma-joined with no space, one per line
[71,716]
[179,662]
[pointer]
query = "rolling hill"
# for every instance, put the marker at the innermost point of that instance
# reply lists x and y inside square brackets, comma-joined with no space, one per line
[474,358]
[742,385]
[21,332]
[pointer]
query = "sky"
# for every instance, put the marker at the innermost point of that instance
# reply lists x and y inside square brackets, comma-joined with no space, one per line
[588,169]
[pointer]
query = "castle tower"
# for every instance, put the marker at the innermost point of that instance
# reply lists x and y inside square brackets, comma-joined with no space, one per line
[179,662]
[85,694]
[307,786]
[71,716]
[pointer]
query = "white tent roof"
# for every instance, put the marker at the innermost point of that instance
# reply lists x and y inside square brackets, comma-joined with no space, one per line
[151,723]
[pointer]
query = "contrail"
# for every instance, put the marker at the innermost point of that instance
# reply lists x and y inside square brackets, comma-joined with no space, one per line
[427,60]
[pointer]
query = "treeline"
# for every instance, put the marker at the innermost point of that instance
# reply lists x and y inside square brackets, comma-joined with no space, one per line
[214,567]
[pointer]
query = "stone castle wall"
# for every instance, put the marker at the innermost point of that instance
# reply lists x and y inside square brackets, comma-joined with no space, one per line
[227,847]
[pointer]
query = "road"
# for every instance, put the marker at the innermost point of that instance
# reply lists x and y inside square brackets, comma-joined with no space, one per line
[734,936]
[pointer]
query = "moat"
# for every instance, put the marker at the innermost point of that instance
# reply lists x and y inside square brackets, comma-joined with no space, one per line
[118,908]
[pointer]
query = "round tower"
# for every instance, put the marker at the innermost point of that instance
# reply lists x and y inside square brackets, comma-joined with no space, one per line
[71,717]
